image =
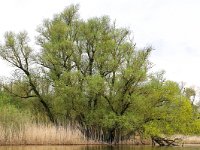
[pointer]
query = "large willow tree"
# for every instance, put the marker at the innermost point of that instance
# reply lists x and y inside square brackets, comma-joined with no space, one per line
[89,73]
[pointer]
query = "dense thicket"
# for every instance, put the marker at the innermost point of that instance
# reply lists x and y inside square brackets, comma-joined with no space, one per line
[90,74]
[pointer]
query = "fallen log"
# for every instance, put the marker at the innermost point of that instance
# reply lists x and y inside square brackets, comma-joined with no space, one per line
[165,141]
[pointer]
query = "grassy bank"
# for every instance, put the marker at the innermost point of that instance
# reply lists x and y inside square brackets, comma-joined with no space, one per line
[35,134]
[41,134]
[38,134]
[18,127]
[191,140]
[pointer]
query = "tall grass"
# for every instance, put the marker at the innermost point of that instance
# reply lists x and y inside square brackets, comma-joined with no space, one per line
[37,134]
[18,127]
[191,140]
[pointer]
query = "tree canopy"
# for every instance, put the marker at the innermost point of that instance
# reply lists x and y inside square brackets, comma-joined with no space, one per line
[89,73]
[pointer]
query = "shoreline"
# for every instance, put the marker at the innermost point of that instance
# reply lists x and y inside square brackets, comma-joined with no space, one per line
[139,145]
[49,135]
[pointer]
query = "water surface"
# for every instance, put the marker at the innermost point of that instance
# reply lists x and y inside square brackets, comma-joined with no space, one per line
[193,147]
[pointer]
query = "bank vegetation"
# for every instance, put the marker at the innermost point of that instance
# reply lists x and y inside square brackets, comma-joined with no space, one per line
[90,76]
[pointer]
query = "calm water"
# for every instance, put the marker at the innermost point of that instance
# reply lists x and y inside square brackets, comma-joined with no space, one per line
[97,148]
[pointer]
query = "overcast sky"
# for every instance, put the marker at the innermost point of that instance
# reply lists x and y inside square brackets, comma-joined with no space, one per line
[171,27]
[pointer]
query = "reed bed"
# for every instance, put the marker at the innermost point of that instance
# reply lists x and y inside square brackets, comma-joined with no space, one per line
[191,140]
[37,134]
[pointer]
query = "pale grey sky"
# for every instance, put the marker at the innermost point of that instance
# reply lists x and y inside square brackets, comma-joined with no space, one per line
[172,27]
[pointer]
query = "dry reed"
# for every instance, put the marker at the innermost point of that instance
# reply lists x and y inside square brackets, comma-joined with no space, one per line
[36,134]
[191,140]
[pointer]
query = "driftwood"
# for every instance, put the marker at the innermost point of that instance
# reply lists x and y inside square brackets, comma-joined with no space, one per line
[165,141]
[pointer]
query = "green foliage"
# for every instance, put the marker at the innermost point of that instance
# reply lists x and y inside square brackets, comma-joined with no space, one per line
[189,92]
[170,113]
[12,118]
[90,73]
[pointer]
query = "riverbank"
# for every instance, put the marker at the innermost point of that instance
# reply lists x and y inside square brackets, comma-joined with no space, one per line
[34,134]
[38,134]
[191,140]
[47,134]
